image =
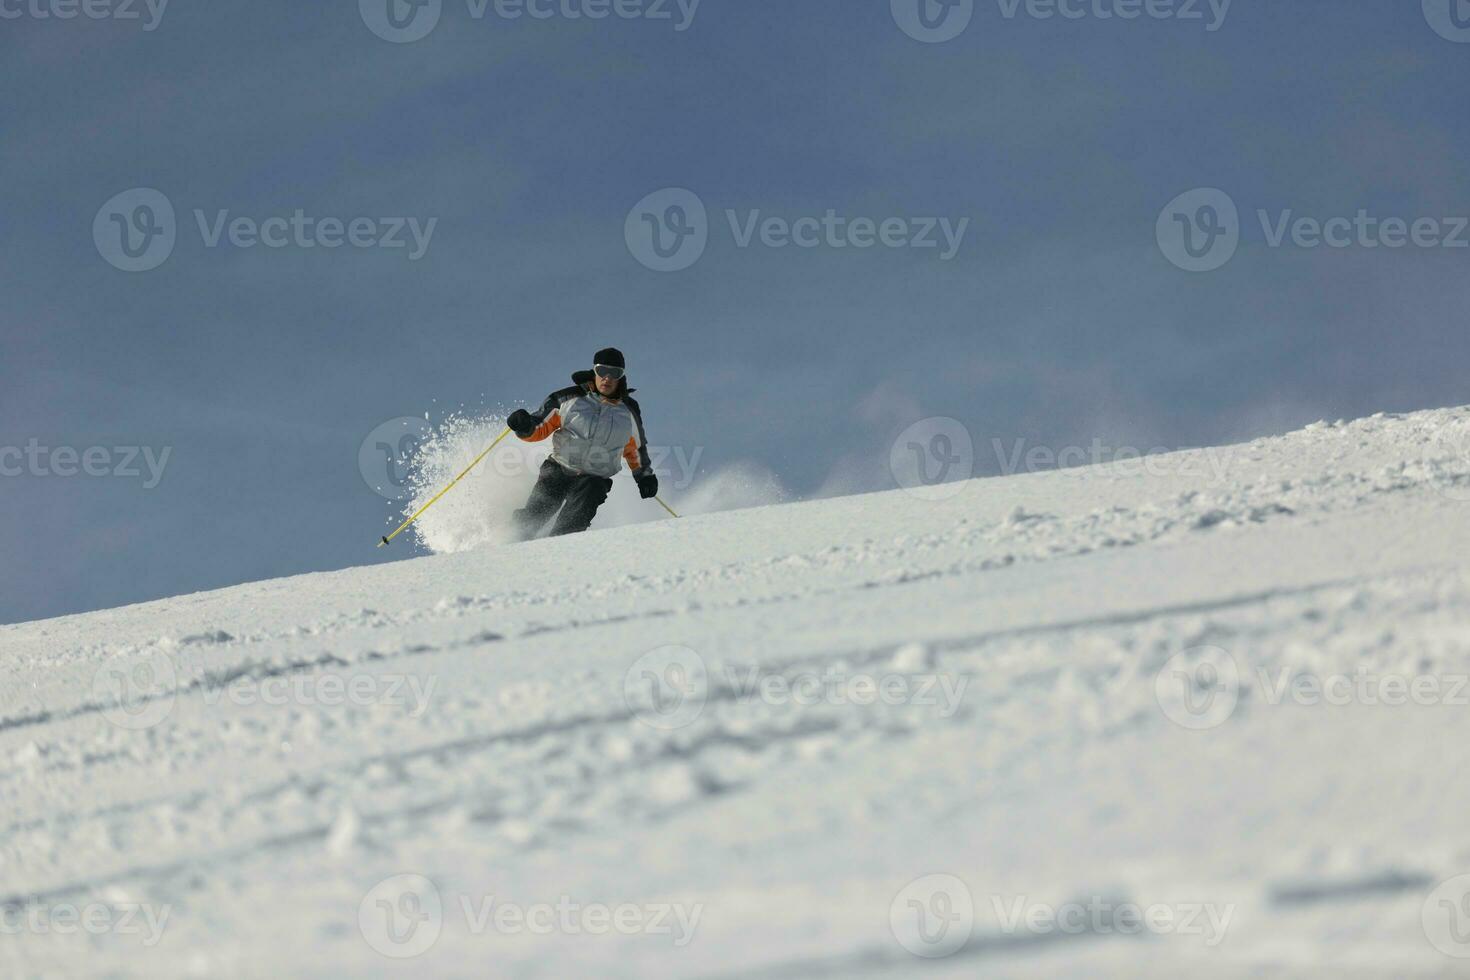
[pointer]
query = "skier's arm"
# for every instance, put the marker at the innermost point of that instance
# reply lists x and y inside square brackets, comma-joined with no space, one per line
[540,424]
[636,451]
[636,455]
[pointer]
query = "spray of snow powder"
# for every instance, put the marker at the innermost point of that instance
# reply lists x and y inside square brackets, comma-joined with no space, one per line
[477,512]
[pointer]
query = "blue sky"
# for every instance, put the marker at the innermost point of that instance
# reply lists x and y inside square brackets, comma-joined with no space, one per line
[1060,319]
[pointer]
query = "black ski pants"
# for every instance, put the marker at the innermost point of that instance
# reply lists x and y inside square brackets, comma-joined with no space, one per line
[577,494]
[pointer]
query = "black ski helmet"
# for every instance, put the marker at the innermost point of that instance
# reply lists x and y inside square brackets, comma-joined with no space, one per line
[611,357]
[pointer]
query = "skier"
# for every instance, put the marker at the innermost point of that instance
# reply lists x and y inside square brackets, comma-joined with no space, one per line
[594,426]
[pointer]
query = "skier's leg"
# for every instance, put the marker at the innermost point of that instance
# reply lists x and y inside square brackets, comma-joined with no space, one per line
[552,484]
[586,495]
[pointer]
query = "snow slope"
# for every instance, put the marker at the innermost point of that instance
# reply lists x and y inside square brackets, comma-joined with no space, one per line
[860,737]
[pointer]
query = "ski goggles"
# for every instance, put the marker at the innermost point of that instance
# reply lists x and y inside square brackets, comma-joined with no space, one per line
[607,371]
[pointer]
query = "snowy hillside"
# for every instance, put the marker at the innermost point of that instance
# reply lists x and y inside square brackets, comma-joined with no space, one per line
[1201,717]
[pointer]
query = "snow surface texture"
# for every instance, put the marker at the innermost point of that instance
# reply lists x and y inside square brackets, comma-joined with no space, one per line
[1057,724]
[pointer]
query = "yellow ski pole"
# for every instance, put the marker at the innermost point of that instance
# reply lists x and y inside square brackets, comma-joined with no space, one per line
[388,539]
[665,506]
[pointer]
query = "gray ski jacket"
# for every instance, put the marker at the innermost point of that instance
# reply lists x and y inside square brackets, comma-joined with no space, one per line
[592,434]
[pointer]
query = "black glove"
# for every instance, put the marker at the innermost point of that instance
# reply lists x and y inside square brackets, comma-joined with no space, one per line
[647,482]
[521,423]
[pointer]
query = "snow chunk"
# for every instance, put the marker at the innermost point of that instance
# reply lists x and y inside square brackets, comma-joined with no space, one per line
[675,784]
[911,658]
[27,755]
[344,833]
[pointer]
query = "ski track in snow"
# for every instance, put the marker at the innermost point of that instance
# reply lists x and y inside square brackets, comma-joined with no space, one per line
[1051,602]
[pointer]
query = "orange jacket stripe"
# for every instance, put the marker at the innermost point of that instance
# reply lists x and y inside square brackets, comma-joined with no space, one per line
[545,429]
